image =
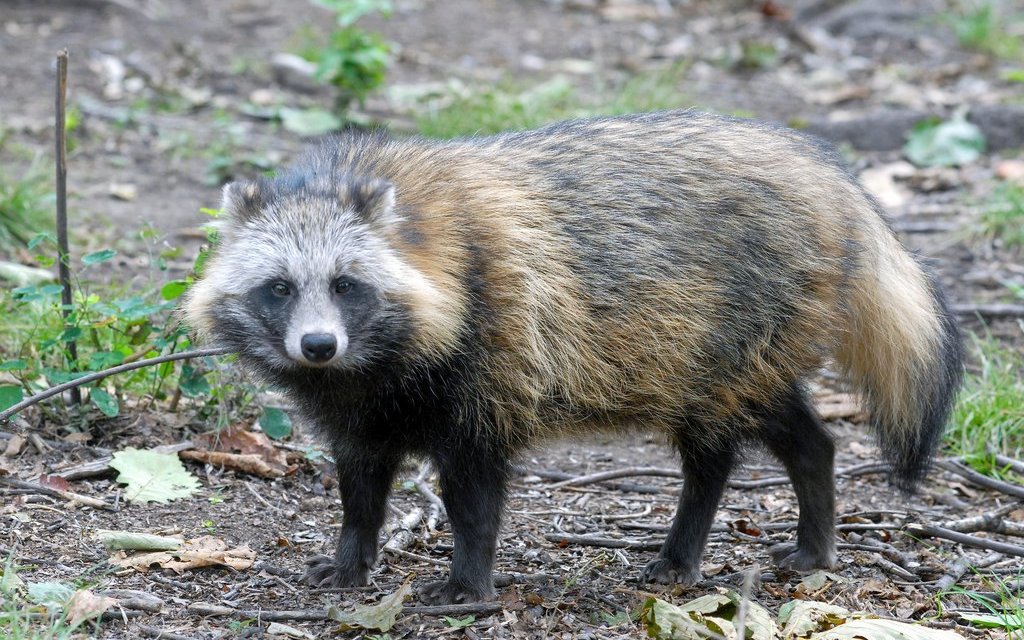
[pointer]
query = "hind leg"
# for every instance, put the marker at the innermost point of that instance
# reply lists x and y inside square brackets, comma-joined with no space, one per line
[705,472]
[796,436]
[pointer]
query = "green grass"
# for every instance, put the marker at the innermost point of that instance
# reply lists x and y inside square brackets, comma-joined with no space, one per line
[1002,216]
[989,414]
[509,107]
[23,617]
[26,204]
[988,26]
[1001,609]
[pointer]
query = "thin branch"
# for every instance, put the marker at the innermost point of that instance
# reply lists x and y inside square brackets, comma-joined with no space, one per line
[964,539]
[962,566]
[1008,488]
[99,375]
[606,543]
[995,310]
[1016,466]
[35,487]
[63,252]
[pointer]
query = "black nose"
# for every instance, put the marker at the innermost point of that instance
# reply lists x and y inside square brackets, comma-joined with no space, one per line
[319,347]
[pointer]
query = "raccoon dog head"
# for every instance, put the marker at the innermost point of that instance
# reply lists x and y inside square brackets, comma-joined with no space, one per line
[303,275]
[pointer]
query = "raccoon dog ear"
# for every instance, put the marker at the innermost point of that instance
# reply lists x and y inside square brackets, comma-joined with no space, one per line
[241,200]
[373,199]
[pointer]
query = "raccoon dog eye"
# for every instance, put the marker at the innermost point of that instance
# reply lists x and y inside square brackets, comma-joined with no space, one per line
[280,289]
[342,287]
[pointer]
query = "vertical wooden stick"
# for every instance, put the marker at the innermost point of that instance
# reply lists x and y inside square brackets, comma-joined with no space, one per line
[64,257]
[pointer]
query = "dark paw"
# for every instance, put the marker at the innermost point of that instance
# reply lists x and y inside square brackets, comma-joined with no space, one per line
[664,571]
[790,556]
[323,571]
[444,592]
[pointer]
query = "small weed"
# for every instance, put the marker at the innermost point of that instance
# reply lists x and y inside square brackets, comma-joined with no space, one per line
[508,107]
[23,614]
[1002,607]
[1002,216]
[26,204]
[352,60]
[989,414]
[984,25]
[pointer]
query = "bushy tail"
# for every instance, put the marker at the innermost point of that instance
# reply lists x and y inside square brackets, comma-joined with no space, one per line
[903,352]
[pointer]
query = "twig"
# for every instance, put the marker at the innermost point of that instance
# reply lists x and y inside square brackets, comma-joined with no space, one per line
[892,567]
[101,466]
[991,521]
[1016,466]
[964,539]
[56,493]
[618,473]
[416,556]
[1008,488]
[989,310]
[607,543]
[961,566]
[260,498]
[311,615]
[160,634]
[471,608]
[63,252]
[99,375]
[424,488]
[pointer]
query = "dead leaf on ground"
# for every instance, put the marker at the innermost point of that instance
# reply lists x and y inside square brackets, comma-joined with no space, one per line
[85,605]
[205,551]
[379,616]
[238,448]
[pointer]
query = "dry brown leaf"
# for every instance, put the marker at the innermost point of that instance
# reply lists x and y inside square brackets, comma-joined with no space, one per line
[247,462]
[85,604]
[205,551]
[14,446]
[238,448]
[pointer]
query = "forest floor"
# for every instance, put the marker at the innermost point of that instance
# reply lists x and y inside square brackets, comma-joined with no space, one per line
[166,93]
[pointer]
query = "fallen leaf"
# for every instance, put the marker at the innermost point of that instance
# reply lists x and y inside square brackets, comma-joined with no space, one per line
[134,541]
[153,477]
[54,482]
[238,448]
[380,616]
[205,551]
[85,605]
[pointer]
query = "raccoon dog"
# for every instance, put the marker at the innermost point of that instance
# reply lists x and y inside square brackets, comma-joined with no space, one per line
[676,271]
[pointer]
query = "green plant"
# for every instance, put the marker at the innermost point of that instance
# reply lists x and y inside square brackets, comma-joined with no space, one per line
[26,203]
[989,414]
[986,26]
[20,617]
[510,107]
[352,60]
[1003,607]
[1002,216]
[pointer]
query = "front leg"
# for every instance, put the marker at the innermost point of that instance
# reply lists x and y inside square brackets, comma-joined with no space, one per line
[473,476]
[364,478]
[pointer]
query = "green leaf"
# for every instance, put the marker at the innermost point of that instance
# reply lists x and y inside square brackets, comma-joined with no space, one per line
[104,402]
[309,122]
[113,540]
[97,257]
[667,621]
[104,359]
[39,238]
[460,623]
[13,365]
[53,290]
[1010,621]
[933,143]
[802,617]
[275,423]
[379,616]
[173,289]
[50,594]
[10,395]
[152,476]
[192,383]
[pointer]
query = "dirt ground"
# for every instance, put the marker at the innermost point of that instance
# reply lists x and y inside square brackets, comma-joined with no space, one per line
[161,86]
